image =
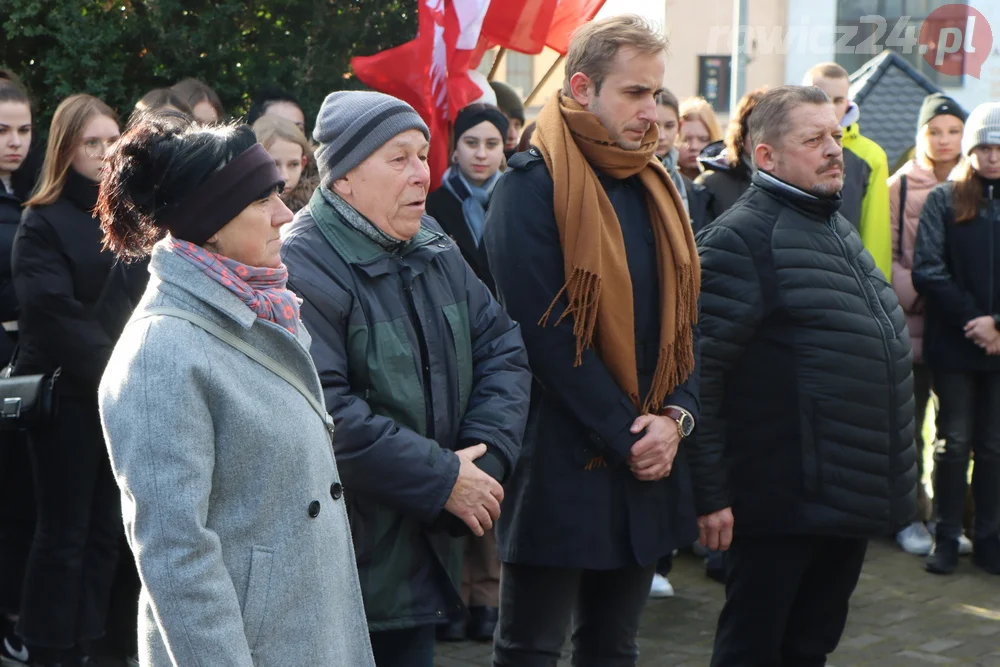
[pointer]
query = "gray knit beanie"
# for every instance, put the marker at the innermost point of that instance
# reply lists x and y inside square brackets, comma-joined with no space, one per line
[982,127]
[353,124]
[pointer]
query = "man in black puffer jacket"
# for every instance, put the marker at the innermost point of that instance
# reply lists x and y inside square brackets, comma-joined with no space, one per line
[806,431]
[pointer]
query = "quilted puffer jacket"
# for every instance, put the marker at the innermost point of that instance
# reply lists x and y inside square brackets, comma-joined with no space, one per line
[806,382]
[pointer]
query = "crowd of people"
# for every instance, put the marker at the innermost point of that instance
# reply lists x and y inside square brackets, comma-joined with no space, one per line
[310,412]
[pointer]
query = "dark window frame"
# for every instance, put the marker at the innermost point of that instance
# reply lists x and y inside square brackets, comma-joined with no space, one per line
[717,92]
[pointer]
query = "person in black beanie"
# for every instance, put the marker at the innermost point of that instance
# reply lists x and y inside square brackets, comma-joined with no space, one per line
[459,205]
[937,152]
[425,373]
[510,103]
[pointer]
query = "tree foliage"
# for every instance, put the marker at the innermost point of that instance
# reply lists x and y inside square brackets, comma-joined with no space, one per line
[119,50]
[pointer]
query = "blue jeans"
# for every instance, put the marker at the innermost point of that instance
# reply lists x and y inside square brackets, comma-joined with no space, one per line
[412,647]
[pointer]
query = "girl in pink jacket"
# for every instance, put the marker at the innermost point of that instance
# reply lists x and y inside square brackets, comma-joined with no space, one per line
[938,151]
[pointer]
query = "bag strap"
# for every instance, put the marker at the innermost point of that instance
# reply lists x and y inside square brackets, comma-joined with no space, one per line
[250,351]
[902,211]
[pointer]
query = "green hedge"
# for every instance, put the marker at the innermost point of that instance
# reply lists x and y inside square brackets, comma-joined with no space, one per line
[119,50]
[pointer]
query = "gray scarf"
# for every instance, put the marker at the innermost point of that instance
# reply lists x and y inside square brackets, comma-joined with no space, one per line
[670,162]
[360,223]
[474,198]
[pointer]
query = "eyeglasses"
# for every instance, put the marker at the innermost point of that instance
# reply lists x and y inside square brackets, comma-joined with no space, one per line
[95,148]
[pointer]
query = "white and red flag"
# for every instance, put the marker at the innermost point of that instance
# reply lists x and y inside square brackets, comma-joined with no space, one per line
[431,71]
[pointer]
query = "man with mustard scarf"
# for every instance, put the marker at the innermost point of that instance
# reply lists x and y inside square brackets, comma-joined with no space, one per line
[593,254]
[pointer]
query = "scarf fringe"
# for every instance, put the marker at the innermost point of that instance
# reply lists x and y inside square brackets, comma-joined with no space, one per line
[676,362]
[584,290]
[595,255]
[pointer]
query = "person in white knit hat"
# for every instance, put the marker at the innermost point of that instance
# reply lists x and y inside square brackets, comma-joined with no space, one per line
[956,269]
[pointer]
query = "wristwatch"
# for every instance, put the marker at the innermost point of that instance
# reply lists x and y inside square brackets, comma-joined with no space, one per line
[685,422]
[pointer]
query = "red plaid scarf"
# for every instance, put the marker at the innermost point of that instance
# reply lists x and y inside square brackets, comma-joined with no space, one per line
[261,288]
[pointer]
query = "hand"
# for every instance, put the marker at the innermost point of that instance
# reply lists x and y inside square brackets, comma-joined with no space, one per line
[476,497]
[715,530]
[982,331]
[652,457]
[993,349]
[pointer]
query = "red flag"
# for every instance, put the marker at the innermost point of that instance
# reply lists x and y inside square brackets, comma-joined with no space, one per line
[463,26]
[519,25]
[570,15]
[430,72]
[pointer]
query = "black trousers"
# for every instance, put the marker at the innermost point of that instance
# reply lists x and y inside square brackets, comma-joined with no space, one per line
[17,518]
[786,600]
[537,603]
[71,567]
[411,647]
[968,421]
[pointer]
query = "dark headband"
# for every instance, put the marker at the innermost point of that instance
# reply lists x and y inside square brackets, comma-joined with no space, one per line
[469,117]
[222,196]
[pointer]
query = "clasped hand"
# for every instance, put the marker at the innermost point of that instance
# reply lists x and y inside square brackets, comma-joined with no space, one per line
[983,332]
[476,497]
[652,457]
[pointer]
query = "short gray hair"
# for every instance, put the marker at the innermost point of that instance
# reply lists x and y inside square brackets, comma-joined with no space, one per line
[769,119]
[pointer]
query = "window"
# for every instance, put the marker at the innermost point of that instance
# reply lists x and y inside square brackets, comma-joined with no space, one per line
[849,13]
[713,81]
[520,72]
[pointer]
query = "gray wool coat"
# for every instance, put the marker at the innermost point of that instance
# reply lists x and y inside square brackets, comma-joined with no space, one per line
[230,494]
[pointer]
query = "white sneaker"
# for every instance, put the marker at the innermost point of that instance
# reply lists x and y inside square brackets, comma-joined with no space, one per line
[660,587]
[915,539]
[964,545]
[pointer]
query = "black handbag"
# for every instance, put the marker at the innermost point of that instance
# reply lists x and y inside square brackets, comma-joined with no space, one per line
[26,400]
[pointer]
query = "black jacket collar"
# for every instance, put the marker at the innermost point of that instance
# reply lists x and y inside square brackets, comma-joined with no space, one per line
[80,190]
[987,185]
[813,205]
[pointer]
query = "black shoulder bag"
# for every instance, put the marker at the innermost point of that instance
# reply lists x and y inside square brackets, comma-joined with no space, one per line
[27,400]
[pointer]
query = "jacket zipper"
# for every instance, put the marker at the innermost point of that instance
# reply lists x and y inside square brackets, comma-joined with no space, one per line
[990,219]
[424,360]
[885,335]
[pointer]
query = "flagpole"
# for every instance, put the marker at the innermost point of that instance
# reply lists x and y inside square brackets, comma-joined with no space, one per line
[545,78]
[496,63]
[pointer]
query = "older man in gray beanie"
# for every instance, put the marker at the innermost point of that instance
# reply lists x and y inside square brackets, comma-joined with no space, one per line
[423,372]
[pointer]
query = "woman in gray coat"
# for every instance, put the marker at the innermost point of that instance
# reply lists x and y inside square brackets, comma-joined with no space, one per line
[214,417]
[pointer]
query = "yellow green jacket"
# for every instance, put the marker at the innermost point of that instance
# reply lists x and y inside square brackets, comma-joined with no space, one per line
[874,224]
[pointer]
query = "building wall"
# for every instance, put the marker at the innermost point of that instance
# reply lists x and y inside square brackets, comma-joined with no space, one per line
[705,28]
[819,17]
[693,29]
[787,37]
[987,87]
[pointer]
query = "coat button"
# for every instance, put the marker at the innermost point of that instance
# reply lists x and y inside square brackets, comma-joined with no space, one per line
[336,490]
[314,509]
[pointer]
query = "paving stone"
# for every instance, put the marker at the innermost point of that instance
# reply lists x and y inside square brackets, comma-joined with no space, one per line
[900,617]
[929,658]
[861,641]
[939,645]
